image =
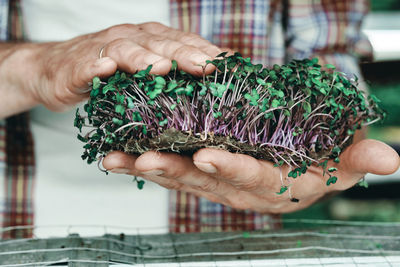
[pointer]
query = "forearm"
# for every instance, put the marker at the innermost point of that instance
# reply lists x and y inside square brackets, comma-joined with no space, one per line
[57,74]
[19,65]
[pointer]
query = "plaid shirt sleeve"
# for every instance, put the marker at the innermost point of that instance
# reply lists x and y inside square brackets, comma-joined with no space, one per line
[329,30]
[17,165]
[3,19]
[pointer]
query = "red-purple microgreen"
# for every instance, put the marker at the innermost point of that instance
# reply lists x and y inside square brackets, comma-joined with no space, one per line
[298,114]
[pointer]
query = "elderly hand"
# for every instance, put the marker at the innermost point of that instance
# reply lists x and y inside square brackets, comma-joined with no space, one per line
[243,182]
[57,74]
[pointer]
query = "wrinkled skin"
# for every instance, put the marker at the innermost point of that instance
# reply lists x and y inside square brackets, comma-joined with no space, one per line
[57,75]
[243,182]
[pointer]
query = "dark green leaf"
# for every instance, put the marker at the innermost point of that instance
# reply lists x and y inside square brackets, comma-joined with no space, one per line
[81,138]
[331,180]
[306,107]
[120,109]
[282,190]
[140,184]
[275,103]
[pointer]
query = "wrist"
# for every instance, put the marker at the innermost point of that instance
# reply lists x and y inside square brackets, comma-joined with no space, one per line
[20,68]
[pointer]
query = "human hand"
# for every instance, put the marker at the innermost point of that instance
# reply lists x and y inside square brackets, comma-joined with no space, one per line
[57,74]
[243,182]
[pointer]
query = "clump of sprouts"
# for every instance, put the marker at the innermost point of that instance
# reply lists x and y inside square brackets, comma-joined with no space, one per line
[297,114]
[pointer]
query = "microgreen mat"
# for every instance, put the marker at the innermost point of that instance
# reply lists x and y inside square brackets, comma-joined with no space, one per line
[297,114]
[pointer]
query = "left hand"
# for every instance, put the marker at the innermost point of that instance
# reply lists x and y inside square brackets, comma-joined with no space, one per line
[243,182]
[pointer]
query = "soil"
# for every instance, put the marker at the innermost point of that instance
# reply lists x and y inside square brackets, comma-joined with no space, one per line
[172,140]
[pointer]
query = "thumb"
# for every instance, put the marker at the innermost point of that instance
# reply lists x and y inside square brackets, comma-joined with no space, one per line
[368,156]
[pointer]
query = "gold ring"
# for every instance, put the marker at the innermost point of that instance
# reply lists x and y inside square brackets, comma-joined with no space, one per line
[101,51]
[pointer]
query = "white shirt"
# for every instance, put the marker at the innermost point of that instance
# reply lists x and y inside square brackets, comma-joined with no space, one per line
[67,190]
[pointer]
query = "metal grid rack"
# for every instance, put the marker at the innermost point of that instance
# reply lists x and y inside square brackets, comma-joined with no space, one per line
[331,244]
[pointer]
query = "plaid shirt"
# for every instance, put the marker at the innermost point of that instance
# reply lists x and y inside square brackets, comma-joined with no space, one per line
[268,31]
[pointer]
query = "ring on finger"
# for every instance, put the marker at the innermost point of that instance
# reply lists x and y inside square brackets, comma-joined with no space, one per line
[101,52]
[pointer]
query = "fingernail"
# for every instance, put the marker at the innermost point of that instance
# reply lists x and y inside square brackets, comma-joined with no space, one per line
[200,59]
[205,167]
[153,172]
[100,61]
[120,170]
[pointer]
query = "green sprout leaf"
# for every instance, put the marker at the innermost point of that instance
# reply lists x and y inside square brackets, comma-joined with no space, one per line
[331,180]
[139,183]
[363,183]
[306,107]
[131,105]
[117,121]
[282,190]
[330,66]
[174,65]
[120,109]
[160,82]
[324,165]
[163,122]
[253,98]
[94,93]
[96,83]
[217,114]
[108,88]
[119,98]
[79,121]
[171,86]
[203,91]
[275,103]
[81,138]
[154,93]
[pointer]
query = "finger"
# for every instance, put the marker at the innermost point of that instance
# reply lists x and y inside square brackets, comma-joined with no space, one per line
[76,87]
[132,57]
[242,171]
[120,162]
[288,206]
[175,185]
[229,51]
[367,156]
[190,39]
[189,58]
[181,169]
[84,72]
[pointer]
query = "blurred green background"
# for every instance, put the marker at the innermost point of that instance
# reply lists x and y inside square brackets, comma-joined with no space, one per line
[384,5]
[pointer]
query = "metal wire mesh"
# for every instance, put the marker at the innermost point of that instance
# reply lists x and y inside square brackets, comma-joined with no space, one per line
[332,243]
